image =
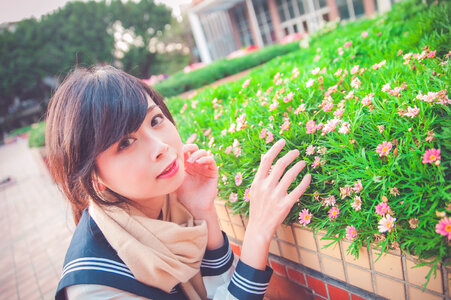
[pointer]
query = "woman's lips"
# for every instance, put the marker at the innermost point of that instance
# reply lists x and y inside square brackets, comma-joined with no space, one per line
[170,171]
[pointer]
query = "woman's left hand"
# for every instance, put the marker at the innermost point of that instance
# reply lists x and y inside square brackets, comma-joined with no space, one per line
[200,186]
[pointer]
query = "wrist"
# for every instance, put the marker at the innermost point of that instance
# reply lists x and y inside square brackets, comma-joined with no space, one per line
[205,214]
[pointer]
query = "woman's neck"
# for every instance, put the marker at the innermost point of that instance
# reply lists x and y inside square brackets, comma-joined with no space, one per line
[151,208]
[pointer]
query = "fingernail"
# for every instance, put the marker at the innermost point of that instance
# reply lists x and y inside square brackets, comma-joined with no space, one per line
[190,159]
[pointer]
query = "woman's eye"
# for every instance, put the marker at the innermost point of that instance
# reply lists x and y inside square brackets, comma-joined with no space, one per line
[158,119]
[125,143]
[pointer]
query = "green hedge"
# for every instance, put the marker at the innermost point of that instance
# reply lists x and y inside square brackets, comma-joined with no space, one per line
[404,57]
[181,82]
[37,135]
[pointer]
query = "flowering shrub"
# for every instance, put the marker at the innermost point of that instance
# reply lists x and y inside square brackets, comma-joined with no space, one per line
[367,106]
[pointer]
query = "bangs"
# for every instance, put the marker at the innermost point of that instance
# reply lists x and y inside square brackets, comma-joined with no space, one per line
[116,106]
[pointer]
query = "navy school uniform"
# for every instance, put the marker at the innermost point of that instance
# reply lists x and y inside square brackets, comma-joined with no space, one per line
[91,260]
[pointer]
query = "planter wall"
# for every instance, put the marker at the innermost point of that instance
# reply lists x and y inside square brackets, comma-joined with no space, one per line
[300,256]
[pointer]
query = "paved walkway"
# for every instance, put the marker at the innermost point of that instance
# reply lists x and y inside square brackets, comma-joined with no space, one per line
[35,226]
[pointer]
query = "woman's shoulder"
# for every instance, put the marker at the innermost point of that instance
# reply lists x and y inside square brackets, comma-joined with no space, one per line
[91,260]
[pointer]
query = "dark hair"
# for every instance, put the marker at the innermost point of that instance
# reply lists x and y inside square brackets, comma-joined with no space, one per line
[91,110]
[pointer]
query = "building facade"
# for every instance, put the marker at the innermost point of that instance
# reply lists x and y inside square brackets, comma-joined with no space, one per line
[223,26]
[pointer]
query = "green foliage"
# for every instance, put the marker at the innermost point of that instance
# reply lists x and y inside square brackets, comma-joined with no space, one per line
[37,135]
[391,84]
[79,34]
[19,131]
[181,82]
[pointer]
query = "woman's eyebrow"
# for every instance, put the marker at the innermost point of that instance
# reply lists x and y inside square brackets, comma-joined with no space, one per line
[149,110]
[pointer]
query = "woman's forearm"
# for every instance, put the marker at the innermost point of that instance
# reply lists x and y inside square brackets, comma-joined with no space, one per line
[215,237]
[254,251]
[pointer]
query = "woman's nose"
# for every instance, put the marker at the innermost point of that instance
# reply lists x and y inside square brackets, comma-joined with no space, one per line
[158,147]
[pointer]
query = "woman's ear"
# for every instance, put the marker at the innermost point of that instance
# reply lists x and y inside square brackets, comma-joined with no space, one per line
[97,183]
[99,186]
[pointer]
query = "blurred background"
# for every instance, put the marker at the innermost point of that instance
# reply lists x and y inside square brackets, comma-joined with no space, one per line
[41,41]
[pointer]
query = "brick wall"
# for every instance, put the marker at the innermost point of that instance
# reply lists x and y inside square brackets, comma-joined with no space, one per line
[326,271]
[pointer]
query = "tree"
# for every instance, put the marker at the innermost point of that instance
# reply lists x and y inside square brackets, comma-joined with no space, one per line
[80,33]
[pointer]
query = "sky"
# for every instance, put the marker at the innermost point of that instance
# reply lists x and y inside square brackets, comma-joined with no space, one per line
[16,10]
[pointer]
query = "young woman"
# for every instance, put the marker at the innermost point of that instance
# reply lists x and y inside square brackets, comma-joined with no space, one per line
[143,201]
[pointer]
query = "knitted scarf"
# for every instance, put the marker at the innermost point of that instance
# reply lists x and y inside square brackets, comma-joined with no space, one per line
[159,253]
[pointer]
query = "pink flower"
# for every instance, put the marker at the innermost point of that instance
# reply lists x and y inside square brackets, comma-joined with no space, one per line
[233,197]
[382,208]
[185,106]
[431,156]
[396,91]
[310,150]
[357,204]
[309,83]
[338,73]
[344,129]
[355,83]
[334,212]
[355,69]
[350,95]
[207,132]
[317,162]
[339,112]
[348,44]
[191,139]
[305,217]
[330,126]
[316,71]
[412,112]
[432,54]
[311,127]
[273,106]
[246,83]
[367,99]
[228,149]
[237,151]
[358,187]
[386,87]
[351,233]
[269,137]
[288,97]
[301,108]
[345,191]
[384,148]
[329,201]
[247,196]
[284,126]
[444,227]
[364,34]
[386,223]
[238,179]
[328,106]
[263,133]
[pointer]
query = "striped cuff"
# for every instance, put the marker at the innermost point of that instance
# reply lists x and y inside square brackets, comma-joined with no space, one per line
[218,261]
[249,283]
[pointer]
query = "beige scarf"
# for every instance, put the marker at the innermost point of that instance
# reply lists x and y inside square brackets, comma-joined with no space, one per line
[159,253]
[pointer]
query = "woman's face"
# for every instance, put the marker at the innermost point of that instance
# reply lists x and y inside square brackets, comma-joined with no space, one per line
[147,163]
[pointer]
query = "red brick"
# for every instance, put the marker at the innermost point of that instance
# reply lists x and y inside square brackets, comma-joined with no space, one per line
[336,293]
[317,285]
[282,288]
[236,249]
[296,276]
[355,297]
[278,268]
